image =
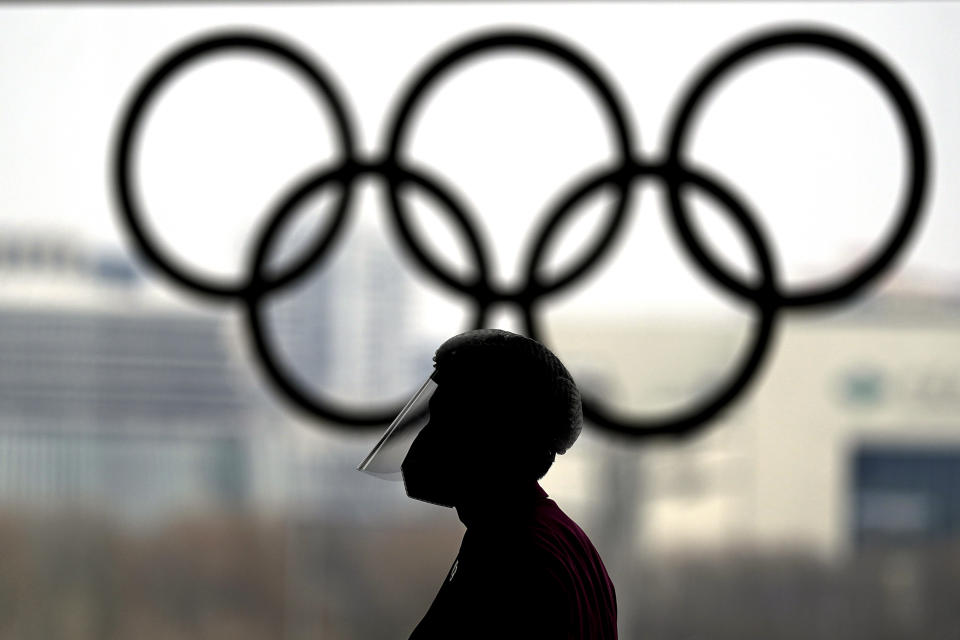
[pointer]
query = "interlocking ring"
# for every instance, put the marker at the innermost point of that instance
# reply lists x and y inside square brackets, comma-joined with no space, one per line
[630,169]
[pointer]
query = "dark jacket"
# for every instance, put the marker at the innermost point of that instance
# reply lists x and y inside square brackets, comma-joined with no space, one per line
[532,574]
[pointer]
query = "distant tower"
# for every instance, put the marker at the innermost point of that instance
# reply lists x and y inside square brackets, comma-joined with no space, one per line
[348,329]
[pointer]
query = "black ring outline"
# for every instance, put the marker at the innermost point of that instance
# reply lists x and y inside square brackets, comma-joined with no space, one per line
[258,286]
[397,134]
[909,119]
[123,159]
[345,175]
[682,423]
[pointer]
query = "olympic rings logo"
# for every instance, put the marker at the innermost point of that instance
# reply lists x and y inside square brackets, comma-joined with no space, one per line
[672,172]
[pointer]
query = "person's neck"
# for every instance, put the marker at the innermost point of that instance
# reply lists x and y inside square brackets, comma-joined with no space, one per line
[494,504]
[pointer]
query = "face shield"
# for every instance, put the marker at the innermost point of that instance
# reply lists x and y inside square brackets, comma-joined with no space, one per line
[386,457]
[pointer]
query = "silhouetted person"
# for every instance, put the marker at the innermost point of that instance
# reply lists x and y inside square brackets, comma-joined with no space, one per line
[478,436]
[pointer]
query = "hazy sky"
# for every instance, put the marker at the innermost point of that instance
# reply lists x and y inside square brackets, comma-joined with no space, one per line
[809,142]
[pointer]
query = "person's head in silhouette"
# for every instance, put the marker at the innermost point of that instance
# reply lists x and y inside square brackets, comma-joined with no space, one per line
[504,407]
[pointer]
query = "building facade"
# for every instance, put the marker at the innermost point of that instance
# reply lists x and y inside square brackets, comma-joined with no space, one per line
[848,436]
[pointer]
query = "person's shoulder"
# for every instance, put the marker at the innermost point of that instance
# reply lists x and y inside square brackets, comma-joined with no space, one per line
[564,549]
[554,530]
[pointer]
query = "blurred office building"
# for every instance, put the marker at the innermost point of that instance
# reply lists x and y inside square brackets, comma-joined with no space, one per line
[118,398]
[346,335]
[849,436]
[113,400]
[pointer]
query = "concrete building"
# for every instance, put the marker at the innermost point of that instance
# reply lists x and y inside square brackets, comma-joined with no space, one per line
[849,436]
[116,396]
